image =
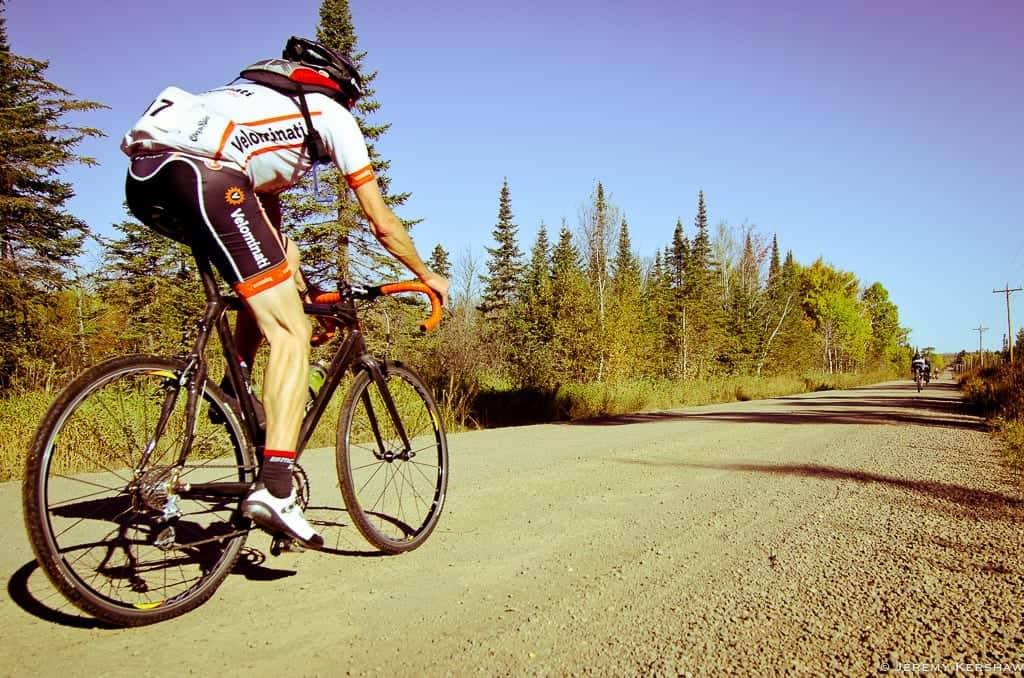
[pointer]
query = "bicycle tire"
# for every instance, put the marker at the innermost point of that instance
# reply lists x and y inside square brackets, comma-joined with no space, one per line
[394,502]
[95,524]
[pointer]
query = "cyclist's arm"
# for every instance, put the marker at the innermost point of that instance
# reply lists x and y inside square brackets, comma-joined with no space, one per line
[386,227]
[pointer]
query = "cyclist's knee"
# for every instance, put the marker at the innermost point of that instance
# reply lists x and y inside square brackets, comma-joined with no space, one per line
[278,312]
[290,328]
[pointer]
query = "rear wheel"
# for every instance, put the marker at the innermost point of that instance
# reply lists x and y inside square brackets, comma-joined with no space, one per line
[394,495]
[127,542]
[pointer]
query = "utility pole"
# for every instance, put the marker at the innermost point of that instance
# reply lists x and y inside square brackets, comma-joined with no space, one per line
[981,354]
[1009,326]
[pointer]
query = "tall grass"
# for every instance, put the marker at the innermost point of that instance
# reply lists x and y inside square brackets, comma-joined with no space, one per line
[490,407]
[19,417]
[997,393]
[511,407]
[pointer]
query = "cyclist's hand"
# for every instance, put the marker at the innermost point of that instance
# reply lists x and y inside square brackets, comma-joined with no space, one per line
[439,284]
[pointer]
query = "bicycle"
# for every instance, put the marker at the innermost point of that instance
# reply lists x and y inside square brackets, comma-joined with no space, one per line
[135,478]
[921,378]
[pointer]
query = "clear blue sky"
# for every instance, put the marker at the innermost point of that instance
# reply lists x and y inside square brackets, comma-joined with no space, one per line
[861,132]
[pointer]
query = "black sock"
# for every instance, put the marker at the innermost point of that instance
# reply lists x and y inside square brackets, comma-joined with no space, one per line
[277,472]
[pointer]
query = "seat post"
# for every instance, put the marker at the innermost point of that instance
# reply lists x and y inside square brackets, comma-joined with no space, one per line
[206,273]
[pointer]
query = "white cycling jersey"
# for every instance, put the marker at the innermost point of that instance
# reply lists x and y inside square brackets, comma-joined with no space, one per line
[253,128]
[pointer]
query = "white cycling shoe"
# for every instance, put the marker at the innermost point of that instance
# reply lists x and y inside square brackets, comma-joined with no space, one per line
[281,516]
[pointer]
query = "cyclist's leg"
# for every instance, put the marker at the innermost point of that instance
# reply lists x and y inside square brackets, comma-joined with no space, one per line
[278,313]
[273,301]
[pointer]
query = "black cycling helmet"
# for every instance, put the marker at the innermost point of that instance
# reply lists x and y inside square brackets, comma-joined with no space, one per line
[337,66]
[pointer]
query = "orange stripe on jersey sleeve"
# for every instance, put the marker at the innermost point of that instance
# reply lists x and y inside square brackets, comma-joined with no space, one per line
[264,280]
[359,177]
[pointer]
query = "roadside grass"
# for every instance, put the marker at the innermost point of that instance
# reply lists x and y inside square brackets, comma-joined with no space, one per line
[19,417]
[516,407]
[997,393]
[20,414]
[1012,433]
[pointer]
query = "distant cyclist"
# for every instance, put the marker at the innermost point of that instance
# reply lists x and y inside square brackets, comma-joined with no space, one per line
[207,170]
[918,364]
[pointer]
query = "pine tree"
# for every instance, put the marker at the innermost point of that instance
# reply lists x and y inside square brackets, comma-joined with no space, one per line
[796,341]
[659,303]
[331,230]
[536,290]
[440,262]
[626,342]
[38,238]
[774,267]
[678,256]
[532,320]
[576,345]
[703,310]
[698,260]
[780,307]
[504,266]
[151,279]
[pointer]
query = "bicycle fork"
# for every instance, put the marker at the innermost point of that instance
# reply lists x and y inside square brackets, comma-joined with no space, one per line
[383,453]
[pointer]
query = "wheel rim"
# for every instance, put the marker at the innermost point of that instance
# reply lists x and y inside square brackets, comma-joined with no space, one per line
[398,494]
[110,530]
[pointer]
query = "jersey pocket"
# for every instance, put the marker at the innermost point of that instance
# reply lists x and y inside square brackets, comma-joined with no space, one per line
[178,120]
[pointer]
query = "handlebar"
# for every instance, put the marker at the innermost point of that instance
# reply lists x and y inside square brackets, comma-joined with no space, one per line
[416,286]
[375,291]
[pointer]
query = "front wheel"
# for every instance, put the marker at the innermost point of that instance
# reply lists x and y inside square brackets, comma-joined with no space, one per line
[124,539]
[393,494]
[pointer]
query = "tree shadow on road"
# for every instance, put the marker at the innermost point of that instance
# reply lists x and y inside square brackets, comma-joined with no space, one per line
[900,404]
[979,502]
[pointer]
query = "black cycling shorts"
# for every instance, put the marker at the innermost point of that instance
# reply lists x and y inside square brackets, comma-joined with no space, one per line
[204,204]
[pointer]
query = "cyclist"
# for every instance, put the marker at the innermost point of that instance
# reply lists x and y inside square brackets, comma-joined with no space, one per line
[207,170]
[918,364]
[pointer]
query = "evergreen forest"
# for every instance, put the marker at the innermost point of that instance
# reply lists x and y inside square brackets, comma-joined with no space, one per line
[572,323]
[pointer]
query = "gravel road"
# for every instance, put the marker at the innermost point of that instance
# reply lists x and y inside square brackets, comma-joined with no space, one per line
[835,533]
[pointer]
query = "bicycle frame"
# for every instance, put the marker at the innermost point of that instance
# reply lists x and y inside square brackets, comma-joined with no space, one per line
[351,353]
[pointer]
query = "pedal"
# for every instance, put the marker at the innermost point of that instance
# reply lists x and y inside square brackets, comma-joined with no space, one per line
[281,545]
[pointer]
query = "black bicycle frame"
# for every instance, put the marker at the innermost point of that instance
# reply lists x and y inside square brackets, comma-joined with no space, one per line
[351,353]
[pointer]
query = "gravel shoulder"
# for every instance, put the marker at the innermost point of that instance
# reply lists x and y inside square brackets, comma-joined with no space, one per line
[834,533]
